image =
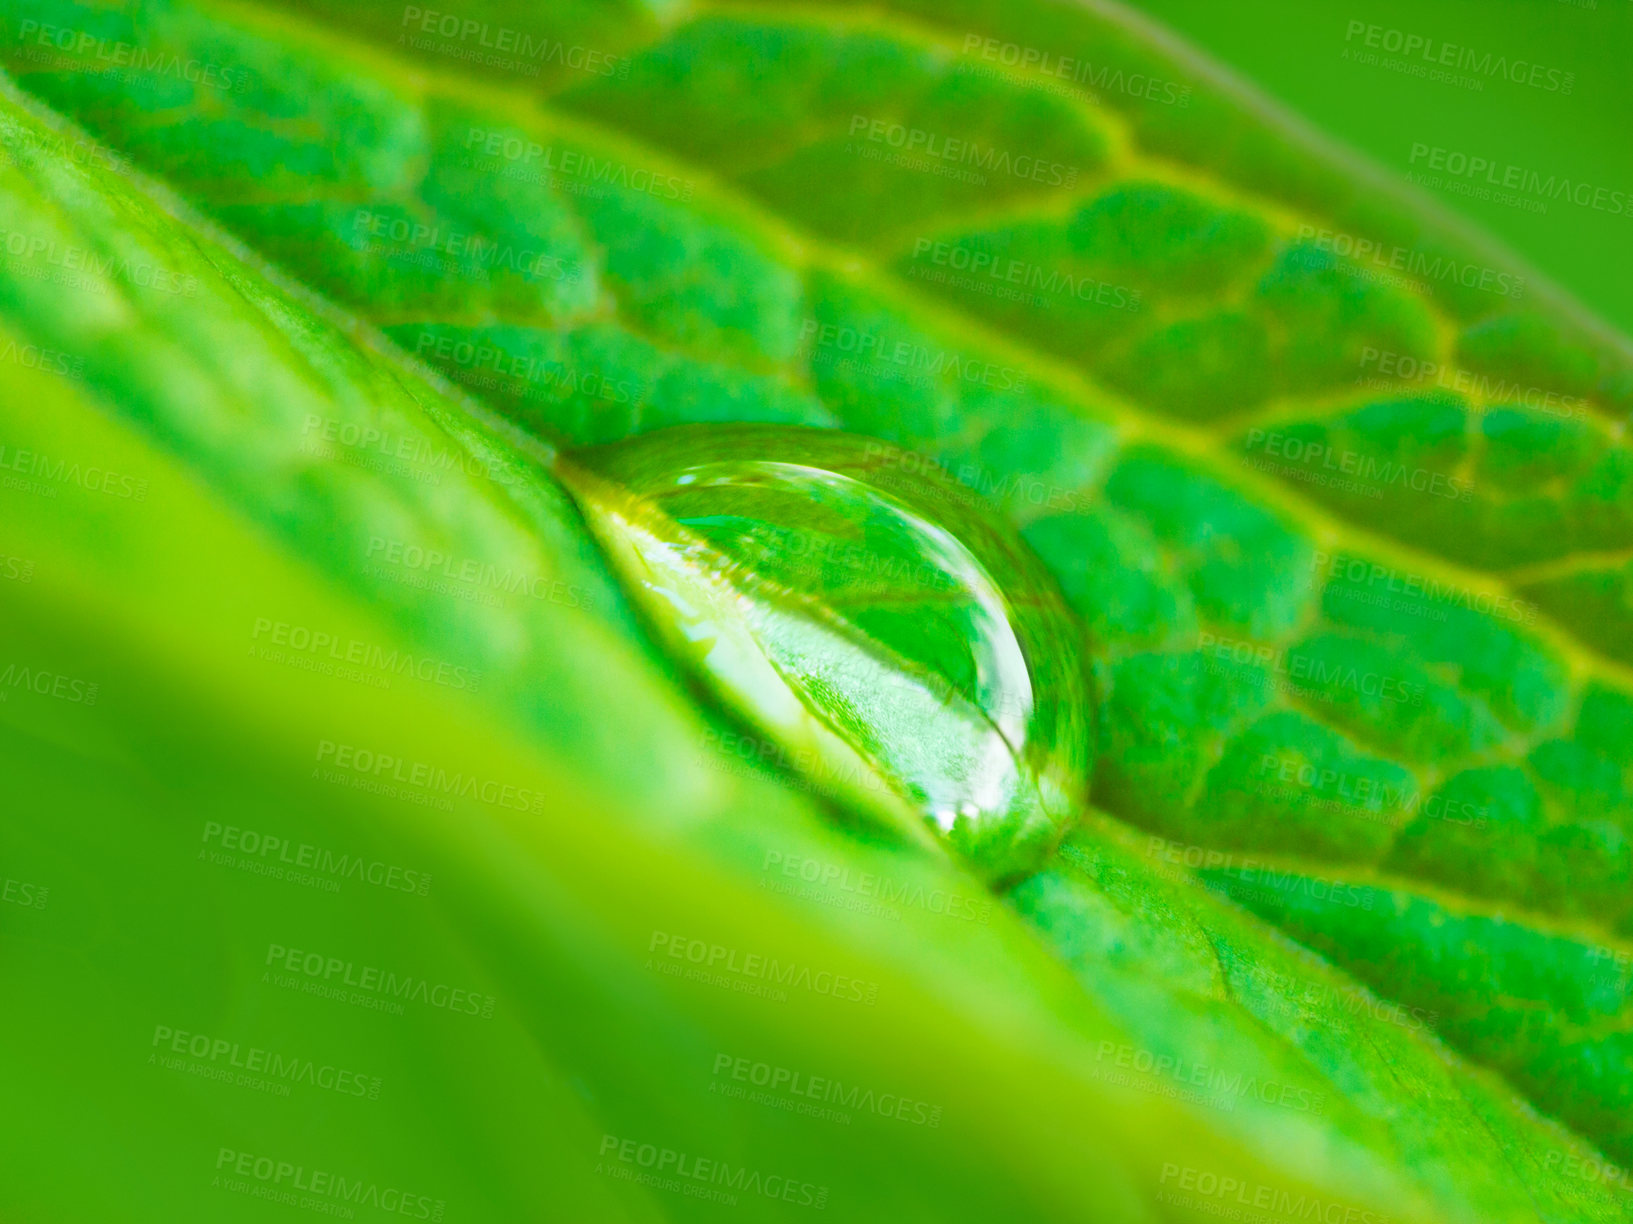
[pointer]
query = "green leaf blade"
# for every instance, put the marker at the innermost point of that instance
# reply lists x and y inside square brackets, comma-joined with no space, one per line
[1292,666]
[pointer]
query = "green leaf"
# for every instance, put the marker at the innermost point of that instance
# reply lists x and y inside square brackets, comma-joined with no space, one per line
[441,877]
[1343,525]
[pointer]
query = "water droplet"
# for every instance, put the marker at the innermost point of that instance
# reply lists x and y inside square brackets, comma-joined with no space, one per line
[893,642]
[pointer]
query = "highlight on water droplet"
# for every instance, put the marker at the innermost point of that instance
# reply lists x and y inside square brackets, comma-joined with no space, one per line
[892,638]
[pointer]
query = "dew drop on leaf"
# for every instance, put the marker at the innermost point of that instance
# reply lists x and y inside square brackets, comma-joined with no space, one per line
[887,639]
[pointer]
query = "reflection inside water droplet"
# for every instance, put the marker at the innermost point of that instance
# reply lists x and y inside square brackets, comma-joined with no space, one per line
[893,640]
